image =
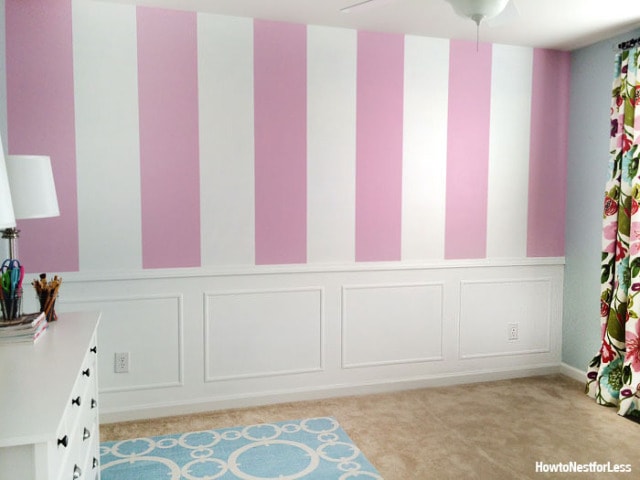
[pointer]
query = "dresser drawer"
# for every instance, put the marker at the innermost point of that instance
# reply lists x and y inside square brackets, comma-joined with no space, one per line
[79,425]
[83,461]
[61,447]
[91,460]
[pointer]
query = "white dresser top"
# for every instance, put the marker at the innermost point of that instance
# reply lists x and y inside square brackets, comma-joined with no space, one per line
[36,379]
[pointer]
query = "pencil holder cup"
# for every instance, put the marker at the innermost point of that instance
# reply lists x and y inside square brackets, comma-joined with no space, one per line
[51,313]
[11,304]
[47,292]
[47,305]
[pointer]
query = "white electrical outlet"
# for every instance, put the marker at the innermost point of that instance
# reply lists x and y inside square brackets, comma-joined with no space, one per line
[512,331]
[121,362]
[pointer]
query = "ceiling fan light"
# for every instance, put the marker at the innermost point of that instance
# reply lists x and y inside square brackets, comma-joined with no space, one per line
[478,10]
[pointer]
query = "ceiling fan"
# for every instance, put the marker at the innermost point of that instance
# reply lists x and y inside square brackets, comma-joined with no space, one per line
[476,10]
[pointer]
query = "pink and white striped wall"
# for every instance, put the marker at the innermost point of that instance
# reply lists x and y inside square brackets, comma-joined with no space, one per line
[184,140]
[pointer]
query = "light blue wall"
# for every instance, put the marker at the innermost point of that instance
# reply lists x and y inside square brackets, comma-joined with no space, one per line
[591,79]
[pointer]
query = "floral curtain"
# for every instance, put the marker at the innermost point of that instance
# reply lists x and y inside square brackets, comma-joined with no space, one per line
[613,376]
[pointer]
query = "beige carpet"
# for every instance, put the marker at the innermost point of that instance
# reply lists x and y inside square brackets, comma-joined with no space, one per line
[496,430]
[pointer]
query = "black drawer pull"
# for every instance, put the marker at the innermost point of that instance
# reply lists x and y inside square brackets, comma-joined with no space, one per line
[94,349]
[76,401]
[64,441]
[94,403]
[86,434]
[77,473]
[86,372]
[95,462]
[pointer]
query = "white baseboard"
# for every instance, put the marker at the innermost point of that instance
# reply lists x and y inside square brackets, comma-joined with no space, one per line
[317,393]
[573,372]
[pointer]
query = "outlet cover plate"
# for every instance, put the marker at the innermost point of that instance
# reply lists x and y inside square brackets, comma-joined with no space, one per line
[512,332]
[121,362]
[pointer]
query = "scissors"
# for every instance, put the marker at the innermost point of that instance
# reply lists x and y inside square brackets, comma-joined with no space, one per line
[12,274]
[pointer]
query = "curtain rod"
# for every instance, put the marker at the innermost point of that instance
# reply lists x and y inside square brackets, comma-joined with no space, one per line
[629,43]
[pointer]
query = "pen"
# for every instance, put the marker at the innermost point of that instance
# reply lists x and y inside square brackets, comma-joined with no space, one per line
[21,277]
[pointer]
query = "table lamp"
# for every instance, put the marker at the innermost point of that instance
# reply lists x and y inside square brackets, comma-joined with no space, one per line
[7,217]
[33,192]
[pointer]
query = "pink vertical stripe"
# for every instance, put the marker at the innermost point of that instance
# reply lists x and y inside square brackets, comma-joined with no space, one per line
[468,150]
[169,150]
[379,128]
[40,108]
[280,109]
[548,153]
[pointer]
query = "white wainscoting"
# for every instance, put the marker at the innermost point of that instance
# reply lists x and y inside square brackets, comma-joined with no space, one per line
[201,339]
[262,333]
[391,324]
[149,328]
[489,307]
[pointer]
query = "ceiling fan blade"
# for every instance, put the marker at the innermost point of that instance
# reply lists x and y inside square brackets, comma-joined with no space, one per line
[364,4]
[508,15]
[361,3]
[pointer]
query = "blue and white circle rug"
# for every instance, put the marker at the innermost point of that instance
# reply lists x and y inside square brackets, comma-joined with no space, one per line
[313,448]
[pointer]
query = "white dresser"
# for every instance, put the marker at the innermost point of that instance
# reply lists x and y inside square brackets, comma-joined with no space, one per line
[49,403]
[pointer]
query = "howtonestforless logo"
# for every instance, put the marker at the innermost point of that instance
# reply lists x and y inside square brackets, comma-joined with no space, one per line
[576,467]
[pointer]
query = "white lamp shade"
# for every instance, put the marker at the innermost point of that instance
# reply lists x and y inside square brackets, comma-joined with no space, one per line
[33,190]
[478,8]
[7,218]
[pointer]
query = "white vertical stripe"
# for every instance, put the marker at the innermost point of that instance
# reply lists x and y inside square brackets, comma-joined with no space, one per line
[107,135]
[424,167]
[511,84]
[331,144]
[225,90]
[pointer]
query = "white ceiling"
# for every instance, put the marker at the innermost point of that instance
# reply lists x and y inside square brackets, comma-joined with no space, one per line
[560,24]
